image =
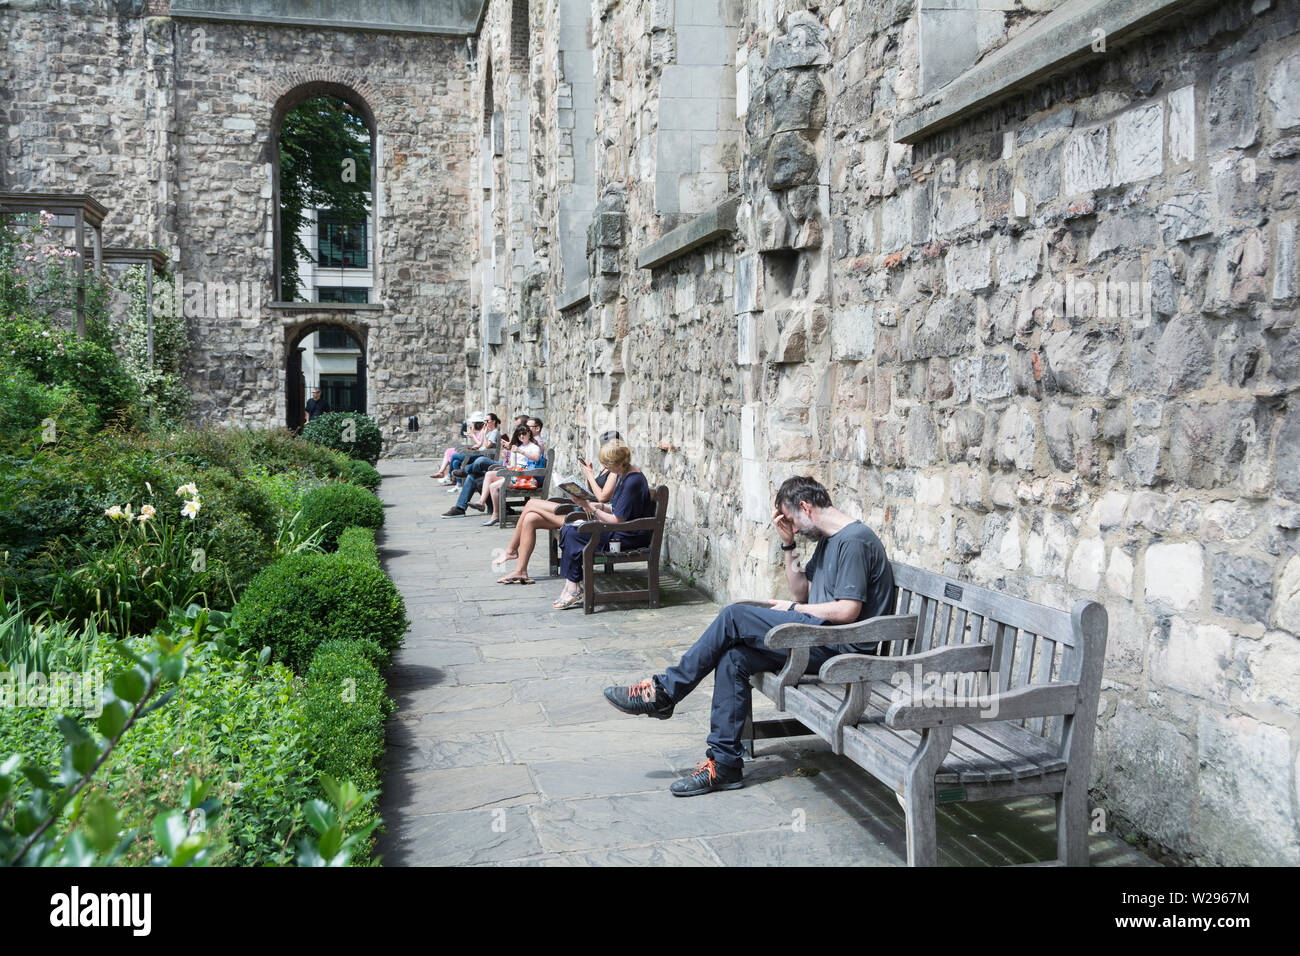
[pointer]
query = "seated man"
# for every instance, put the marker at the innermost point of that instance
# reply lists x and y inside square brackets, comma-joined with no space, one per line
[847,579]
[474,476]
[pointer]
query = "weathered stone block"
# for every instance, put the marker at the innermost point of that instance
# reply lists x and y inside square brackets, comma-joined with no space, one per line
[1081,363]
[791,161]
[1139,143]
[1182,125]
[1148,767]
[1245,792]
[1284,92]
[1209,441]
[1175,574]
[853,334]
[1086,161]
[797,101]
[1242,587]
[805,44]
[1232,109]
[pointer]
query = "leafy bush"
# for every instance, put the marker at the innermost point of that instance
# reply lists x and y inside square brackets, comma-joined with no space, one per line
[338,507]
[345,710]
[352,433]
[303,600]
[33,414]
[161,383]
[363,474]
[358,544]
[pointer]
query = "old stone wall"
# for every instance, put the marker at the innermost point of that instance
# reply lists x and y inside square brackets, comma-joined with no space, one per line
[169,124]
[1050,349]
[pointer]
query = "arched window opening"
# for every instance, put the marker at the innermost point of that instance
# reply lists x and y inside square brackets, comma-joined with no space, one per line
[326,372]
[325,227]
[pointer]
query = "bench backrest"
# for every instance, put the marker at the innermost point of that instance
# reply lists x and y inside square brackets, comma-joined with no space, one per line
[1032,643]
[544,486]
[660,496]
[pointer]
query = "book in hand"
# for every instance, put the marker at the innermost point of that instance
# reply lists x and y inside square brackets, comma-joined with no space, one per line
[575,490]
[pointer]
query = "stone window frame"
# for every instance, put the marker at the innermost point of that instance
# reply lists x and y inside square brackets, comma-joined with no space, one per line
[676,81]
[297,93]
[1062,39]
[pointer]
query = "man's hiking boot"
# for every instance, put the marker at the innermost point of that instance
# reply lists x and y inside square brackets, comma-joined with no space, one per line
[454,513]
[708,776]
[646,698]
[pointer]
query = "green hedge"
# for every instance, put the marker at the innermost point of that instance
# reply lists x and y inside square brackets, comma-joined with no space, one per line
[345,709]
[304,600]
[241,728]
[358,544]
[354,434]
[337,507]
[364,474]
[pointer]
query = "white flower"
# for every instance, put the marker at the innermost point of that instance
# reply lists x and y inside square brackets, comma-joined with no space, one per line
[114,512]
[149,487]
[191,508]
[147,512]
[190,490]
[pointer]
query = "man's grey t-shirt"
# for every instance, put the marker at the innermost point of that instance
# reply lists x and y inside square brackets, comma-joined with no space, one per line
[851,564]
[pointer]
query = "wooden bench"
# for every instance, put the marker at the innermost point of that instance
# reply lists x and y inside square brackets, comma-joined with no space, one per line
[598,530]
[1017,721]
[520,496]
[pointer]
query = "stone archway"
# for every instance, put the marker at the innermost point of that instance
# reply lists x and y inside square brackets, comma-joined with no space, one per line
[328,354]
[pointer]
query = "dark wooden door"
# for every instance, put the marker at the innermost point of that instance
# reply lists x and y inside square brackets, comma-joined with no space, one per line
[295,391]
[359,390]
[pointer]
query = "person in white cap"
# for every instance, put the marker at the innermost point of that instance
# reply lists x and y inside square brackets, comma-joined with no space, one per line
[476,435]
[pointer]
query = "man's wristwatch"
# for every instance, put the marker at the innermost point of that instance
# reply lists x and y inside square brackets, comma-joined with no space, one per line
[792,604]
[789,547]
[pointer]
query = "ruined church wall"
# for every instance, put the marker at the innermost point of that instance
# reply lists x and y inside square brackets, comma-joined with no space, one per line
[168,124]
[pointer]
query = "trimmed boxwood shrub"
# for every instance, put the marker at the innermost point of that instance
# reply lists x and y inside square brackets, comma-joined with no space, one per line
[358,544]
[345,709]
[337,507]
[303,600]
[363,474]
[332,430]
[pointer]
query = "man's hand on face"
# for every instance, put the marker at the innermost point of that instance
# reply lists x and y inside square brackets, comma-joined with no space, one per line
[784,527]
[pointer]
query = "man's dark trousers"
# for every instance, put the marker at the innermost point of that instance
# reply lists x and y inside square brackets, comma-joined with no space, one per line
[474,480]
[733,645]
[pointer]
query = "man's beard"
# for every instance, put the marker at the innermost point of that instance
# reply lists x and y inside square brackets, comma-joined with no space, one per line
[813,534]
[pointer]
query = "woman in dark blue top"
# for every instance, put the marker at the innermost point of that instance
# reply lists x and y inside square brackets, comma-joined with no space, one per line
[631,500]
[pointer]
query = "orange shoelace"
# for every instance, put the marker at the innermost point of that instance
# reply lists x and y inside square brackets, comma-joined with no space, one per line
[645,690]
[707,765]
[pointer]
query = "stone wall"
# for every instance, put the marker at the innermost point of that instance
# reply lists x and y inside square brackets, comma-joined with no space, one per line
[1049,350]
[169,124]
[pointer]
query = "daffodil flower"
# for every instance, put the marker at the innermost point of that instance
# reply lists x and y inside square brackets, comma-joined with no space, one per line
[114,512]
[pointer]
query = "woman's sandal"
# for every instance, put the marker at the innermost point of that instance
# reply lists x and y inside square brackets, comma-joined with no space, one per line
[516,579]
[566,603]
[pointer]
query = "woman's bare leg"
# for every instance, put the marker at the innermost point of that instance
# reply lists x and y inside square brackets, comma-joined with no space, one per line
[530,525]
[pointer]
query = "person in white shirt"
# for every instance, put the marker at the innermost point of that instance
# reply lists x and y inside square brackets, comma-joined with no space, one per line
[524,453]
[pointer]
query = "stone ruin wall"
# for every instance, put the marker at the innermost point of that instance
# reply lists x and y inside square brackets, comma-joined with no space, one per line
[915,325]
[168,124]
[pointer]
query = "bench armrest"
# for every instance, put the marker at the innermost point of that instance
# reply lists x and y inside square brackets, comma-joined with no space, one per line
[1036,700]
[596,527]
[954,658]
[891,627]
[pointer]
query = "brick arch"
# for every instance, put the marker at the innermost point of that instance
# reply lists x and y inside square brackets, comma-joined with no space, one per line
[294,86]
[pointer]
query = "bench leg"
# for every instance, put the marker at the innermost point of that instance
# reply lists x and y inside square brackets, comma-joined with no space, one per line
[918,796]
[747,736]
[1072,825]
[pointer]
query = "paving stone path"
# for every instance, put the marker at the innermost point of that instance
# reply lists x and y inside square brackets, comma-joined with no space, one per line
[503,751]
